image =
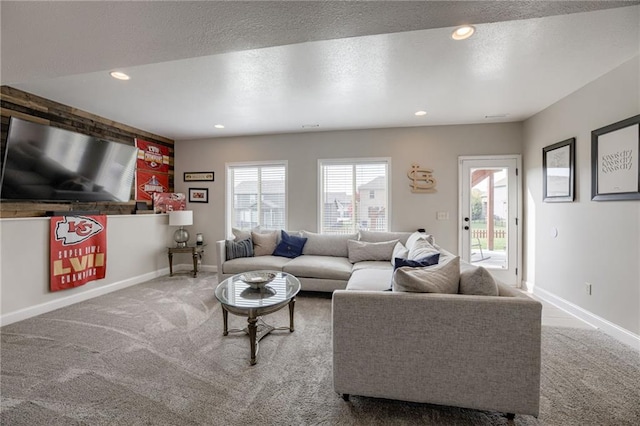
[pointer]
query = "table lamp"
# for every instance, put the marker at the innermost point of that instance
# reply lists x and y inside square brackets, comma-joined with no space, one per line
[181,218]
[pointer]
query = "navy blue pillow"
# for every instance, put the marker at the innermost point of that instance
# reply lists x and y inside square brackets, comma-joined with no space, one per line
[290,246]
[430,260]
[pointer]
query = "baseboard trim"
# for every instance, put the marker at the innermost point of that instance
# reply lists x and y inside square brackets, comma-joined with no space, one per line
[623,335]
[43,308]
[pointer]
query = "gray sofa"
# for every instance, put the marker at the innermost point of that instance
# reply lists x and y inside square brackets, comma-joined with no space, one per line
[466,350]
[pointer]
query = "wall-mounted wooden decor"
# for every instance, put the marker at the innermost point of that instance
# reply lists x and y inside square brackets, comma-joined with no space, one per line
[422,180]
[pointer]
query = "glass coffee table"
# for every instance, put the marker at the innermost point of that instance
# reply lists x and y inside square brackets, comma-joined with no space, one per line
[254,294]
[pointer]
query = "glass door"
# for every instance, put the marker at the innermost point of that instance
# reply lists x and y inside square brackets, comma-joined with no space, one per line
[489,214]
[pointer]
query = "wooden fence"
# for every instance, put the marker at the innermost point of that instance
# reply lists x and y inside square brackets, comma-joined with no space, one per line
[482,233]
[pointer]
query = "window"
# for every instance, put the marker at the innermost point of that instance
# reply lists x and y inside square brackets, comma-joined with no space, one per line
[353,195]
[256,195]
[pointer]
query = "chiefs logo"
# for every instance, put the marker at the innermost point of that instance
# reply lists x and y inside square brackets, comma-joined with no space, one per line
[75,229]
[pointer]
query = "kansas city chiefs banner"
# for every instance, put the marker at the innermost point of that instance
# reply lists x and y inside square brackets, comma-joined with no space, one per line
[152,169]
[78,250]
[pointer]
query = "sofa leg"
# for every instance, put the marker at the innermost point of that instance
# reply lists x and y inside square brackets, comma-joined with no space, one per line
[511,416]
[345,396]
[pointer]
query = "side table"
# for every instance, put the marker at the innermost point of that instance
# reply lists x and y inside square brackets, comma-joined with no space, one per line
[196,252]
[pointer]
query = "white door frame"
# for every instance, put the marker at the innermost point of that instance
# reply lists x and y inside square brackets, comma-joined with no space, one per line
[517,221]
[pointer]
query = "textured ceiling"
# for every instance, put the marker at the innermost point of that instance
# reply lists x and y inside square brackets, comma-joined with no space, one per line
[270,67]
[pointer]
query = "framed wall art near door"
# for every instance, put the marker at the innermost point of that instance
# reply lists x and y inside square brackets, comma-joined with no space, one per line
[198,195]
[615,154]
[558,164]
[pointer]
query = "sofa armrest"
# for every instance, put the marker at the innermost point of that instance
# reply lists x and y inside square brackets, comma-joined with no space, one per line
[221,255]
[479,352]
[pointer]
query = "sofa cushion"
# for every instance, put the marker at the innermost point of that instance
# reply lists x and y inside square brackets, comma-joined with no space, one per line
[264,243]
[372,264]
[235,249]
[399,251]
[245,264]
[421,249]
[379,236]
[371,279]
[326,267]
[289,246]
[327,244]
[440,278]
[477,280]
[360,251]
[241,234]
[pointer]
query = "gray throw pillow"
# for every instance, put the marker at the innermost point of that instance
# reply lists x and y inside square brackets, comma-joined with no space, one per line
[360,251]
[440,278]
[327,244]
[240,234]
[235,249]
[264,243]
[478,281]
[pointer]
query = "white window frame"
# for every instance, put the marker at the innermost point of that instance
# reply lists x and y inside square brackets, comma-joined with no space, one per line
[346,161]
[229,189]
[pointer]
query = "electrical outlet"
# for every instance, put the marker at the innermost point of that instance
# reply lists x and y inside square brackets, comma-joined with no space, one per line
[588,288]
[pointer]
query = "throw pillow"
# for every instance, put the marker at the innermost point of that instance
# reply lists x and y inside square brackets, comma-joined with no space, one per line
[477,281]
[430,260]
[289,246]
[264,243]
[422,248]
[360,251]
[440,278]
[419,236]
[382,236]
[399,251]
[235,249]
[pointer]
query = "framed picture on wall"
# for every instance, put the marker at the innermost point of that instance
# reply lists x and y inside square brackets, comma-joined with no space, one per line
[558,164]
[198,195]
[615,154]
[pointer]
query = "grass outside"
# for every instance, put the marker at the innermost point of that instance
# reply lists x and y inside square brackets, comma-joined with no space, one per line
[499,244]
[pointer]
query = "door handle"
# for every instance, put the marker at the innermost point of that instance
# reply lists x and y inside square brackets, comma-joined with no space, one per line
[466,228]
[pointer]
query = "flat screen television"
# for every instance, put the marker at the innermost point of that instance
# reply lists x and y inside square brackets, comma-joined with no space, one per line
[45,163]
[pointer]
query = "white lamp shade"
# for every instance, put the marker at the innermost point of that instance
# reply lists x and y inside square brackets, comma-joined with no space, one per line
[181,218]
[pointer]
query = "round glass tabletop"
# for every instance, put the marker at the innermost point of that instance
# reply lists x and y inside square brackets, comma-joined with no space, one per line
[240,294]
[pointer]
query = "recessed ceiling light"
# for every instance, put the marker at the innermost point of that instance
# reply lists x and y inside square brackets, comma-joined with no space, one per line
[419,113]
[219,126]
[463,32]
[310,126]
[119,75]
[496,116]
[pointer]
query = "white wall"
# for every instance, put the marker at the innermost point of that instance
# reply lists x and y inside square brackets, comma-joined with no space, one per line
[436,147]
[597,242]
[136,252]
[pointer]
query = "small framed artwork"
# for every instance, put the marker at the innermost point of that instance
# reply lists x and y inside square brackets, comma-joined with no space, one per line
[198,195]
[198,176]
[615,153]
[558,164]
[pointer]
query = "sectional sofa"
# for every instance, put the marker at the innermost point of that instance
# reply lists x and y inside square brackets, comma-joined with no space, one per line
[478,350]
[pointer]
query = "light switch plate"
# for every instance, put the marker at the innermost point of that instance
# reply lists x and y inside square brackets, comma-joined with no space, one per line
[442,215]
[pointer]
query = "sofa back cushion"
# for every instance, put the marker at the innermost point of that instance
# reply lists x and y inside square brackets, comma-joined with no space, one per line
[327,244]
[441,278]
[379,236]
[360,251]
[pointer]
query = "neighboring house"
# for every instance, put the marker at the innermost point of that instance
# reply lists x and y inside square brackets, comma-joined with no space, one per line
[372,196]
[248,207]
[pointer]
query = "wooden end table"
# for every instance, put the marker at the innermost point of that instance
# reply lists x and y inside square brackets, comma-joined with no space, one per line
[196,253]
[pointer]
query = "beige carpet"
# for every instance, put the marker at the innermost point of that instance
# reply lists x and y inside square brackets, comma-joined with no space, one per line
[154,354]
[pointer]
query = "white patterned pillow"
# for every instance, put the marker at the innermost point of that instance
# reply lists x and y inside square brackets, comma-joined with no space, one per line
[413,238]
[399,251]
[360,251]
[422,248]
[440,278]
